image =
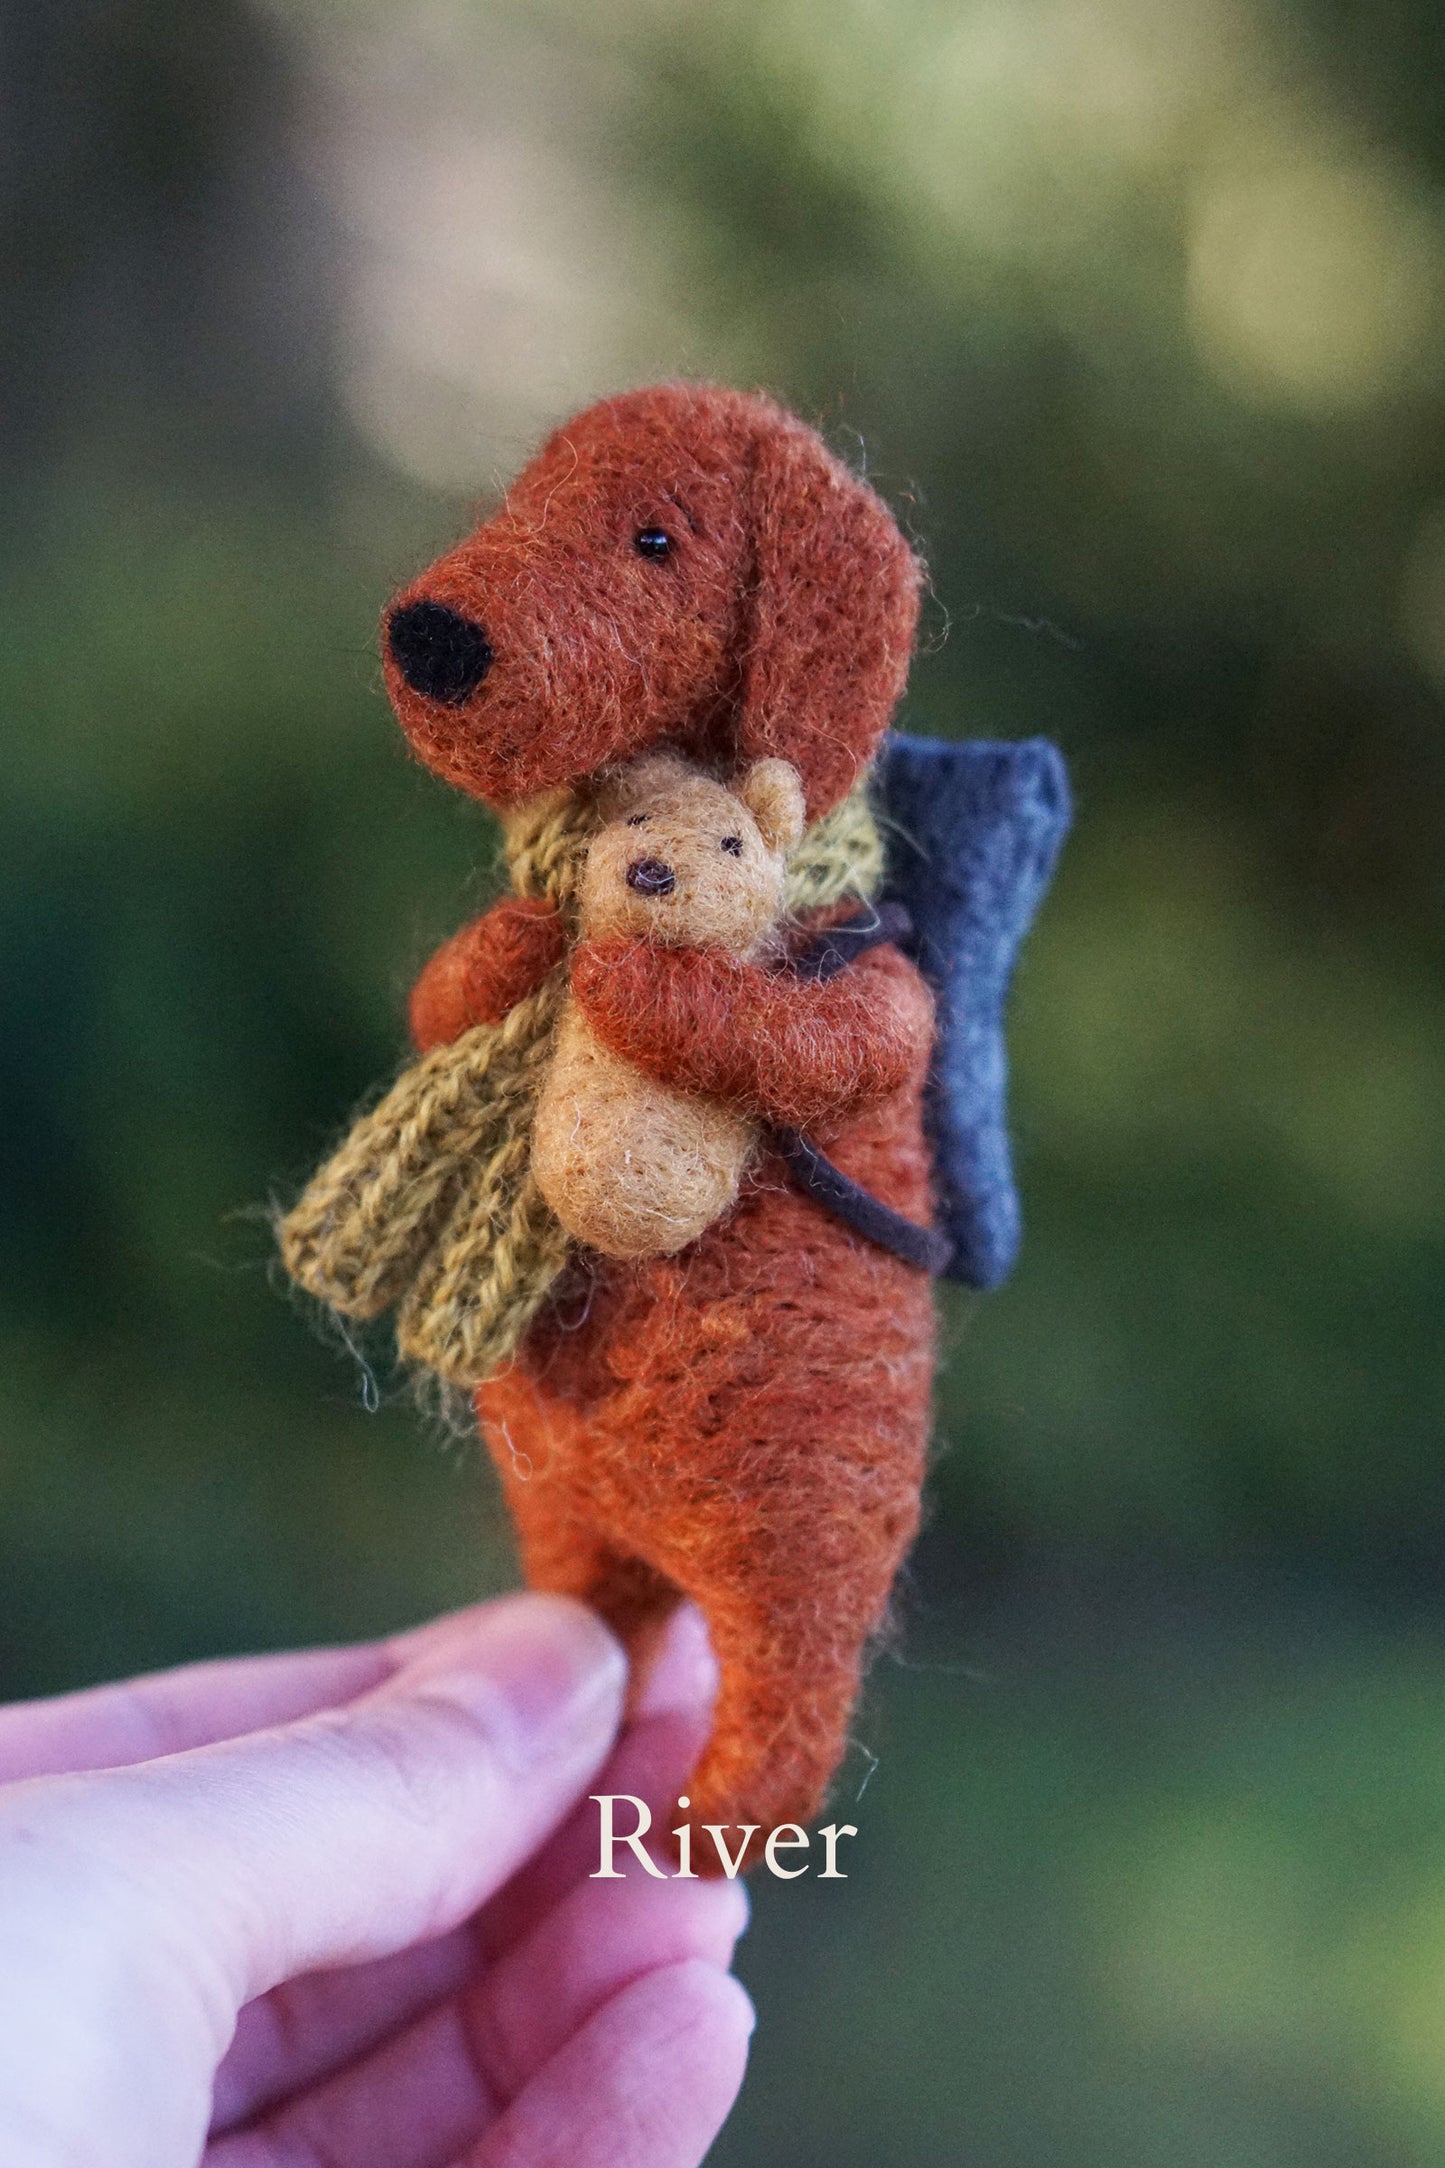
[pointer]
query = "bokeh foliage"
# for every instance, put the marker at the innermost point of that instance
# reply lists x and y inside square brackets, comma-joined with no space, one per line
[1135,315]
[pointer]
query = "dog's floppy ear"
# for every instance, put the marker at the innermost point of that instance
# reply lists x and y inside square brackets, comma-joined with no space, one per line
[773,794]
[834,611]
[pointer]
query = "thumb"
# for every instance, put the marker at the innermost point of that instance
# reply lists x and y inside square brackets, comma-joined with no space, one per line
[360,1830]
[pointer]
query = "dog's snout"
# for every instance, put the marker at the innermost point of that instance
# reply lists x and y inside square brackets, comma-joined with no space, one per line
[440,653]
[650,877]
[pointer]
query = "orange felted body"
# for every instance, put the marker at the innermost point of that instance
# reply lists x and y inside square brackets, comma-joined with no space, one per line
[743,1422]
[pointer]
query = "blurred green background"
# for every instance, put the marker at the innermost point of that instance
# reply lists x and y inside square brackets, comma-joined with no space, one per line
[1135,313]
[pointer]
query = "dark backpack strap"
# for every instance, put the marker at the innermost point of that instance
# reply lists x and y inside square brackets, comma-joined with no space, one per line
[836,947]
[858,1208]
[811,1169]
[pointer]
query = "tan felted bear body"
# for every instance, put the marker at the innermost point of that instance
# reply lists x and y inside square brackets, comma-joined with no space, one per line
[630,1166]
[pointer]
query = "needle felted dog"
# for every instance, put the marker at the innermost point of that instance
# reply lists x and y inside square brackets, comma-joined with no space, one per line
[739,1418]
[630,1166]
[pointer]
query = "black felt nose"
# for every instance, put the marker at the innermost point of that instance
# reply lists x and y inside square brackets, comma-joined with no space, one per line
[439,652]
[650,877]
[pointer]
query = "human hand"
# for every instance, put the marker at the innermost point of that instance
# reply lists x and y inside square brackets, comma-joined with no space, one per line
[333,1908]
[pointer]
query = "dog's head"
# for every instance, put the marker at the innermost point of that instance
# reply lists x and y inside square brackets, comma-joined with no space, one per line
[681,567]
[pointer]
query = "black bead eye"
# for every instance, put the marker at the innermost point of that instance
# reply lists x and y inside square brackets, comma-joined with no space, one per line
[635,820]
[733,844]
[653,542]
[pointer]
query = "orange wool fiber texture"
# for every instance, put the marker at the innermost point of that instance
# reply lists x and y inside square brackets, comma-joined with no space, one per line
[471,980]
[744,1422]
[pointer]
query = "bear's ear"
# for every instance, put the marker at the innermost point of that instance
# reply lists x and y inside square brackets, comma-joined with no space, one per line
[773,794]
[834,612]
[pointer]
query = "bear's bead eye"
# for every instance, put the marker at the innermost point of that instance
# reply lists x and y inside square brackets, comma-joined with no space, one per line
[635,820]
[733,844]
[654,542]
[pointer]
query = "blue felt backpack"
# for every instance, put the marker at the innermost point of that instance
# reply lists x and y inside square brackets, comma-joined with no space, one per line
[973,830]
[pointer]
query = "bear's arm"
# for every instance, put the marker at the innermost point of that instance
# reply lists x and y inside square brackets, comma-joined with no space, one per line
[789,1050]
[484,970]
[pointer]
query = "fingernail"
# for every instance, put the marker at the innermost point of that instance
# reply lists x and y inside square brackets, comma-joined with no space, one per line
[683,1675]
[537,1671]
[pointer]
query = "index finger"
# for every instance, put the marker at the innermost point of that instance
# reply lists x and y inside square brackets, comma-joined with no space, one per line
[165,1712]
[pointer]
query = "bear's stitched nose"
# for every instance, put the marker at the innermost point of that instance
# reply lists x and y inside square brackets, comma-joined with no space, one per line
[650,877]
[440,653]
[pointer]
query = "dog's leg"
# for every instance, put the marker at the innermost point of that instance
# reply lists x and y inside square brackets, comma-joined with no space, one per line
[540,1450]
[790,1639]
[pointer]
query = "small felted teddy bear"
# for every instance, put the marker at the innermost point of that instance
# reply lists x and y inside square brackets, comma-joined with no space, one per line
[629,1165]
